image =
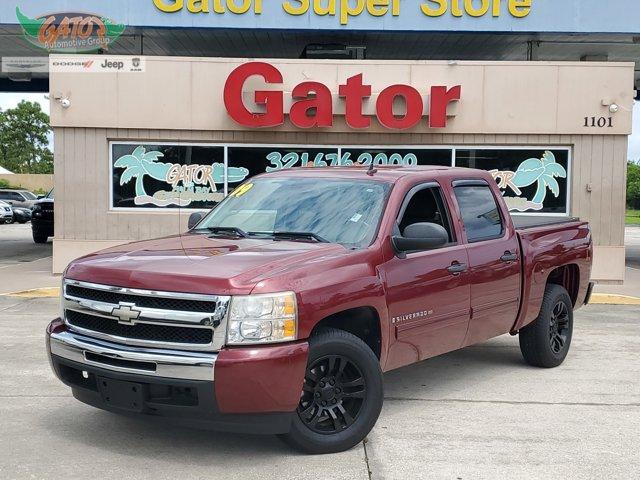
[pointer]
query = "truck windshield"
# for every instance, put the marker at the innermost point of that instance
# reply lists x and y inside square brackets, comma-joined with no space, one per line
[301,209]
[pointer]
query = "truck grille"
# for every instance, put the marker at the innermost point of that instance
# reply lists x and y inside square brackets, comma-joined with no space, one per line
[144,317]
[150,302]
[140,331]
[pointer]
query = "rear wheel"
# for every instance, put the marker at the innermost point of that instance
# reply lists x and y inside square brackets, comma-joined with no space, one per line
[545,343]
[341,395]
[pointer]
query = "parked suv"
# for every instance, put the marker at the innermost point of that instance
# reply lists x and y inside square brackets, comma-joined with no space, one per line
[6,212]
[42,219]
[18,198]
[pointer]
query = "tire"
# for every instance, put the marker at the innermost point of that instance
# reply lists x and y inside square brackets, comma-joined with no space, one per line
[545,343]
[8,221]
[38,238]
[355,396]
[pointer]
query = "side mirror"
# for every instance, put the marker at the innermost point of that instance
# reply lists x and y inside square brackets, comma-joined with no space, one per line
[421,236]
[40,197]
[195,219]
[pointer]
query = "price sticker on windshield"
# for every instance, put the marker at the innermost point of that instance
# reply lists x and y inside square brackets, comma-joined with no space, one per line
[241,190]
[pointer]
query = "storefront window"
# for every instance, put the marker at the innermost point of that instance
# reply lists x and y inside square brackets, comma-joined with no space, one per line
[398,156]
[261,159]
[164,175]
[532,180]
[146,175]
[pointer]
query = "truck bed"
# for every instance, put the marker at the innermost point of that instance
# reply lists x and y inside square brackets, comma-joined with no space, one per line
[532,221]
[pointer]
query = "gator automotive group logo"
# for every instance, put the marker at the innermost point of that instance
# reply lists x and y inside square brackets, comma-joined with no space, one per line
[70,31]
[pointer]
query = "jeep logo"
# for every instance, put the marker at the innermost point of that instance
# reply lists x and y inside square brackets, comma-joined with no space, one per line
[112,65]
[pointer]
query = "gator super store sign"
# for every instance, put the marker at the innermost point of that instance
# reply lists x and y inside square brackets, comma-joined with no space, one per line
[555,16]
[312,104]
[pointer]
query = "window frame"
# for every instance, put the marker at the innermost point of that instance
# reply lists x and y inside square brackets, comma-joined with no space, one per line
[479,183]
[447,212]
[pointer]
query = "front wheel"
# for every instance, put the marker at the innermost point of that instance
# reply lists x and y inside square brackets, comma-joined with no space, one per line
[545,342]
[341,395]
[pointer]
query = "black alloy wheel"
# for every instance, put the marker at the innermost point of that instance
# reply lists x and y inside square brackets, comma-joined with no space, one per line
[341,395]
[546,341]
[334,390]
[559,327]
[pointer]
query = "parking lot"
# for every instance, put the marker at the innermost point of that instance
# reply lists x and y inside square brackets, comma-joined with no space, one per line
[479,413]
[23,264]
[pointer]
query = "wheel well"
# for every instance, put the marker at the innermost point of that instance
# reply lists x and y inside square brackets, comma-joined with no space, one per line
[567,276]
[363,322]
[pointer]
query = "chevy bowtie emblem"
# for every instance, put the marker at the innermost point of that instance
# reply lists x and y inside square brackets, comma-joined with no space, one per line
[126,313]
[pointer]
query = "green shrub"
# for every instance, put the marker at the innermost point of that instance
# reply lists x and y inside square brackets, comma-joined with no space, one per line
[633,185]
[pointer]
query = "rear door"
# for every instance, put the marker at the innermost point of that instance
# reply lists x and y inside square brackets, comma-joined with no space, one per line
[494,261]
[427,291]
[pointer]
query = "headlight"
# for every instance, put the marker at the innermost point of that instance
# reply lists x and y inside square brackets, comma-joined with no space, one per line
[267,318]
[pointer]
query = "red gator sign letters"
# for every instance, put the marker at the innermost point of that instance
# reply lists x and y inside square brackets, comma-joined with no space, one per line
[313,103]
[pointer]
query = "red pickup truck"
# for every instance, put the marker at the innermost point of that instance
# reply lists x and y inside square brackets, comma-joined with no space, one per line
[281,308]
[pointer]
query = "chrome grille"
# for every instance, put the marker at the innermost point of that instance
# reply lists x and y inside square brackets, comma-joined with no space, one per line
[150,318]
[140,331]
[141,301]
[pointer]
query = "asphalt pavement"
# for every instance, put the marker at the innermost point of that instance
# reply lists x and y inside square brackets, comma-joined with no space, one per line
[24,264]
[479,413]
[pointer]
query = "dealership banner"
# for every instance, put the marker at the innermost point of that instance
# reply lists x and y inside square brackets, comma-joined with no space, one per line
[109,19]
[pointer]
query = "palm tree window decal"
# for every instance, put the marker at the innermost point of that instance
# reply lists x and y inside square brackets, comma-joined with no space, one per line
[544,171]
[189,183]
[539,172]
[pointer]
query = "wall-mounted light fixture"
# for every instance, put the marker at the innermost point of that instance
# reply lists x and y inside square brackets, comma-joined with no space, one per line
[64,101]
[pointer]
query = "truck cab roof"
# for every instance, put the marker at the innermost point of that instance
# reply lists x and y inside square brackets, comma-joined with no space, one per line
[384,173]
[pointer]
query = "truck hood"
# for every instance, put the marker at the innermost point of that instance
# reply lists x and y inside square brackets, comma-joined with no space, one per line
[196,263]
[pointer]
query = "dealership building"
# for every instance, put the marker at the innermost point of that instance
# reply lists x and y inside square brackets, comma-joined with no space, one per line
[187,99]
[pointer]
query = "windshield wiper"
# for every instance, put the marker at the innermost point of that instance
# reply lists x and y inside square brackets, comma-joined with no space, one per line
[226,230]
[281,235]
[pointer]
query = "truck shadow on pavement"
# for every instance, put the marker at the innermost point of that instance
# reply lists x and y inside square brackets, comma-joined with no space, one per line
[153,438]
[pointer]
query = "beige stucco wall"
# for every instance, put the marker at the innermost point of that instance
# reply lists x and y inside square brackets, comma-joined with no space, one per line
[497,97]
[503,104]
[33,182]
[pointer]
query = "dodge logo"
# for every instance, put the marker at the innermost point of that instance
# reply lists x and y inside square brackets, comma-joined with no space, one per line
[126,313]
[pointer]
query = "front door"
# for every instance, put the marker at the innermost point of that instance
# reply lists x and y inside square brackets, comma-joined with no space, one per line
[494,262]
[428,293]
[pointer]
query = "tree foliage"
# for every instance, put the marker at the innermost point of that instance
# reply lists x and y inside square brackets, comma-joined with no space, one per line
[24,141]
[633,186]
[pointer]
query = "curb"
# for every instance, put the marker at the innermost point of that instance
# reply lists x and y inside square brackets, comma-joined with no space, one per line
[609,299]
[51,292]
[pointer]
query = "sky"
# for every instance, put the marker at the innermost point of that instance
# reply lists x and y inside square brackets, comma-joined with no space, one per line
[10,100]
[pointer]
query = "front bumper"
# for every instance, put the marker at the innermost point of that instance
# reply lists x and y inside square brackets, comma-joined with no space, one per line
[252,390]
[135,360]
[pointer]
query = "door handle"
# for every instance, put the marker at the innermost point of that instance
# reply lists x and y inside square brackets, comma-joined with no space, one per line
[509,257]
[457,268]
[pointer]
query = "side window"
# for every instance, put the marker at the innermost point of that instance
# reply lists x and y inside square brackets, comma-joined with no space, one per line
[4,196]
[480,213]
[427,206]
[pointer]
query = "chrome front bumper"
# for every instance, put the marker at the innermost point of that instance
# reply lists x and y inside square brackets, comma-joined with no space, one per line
[136,360]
